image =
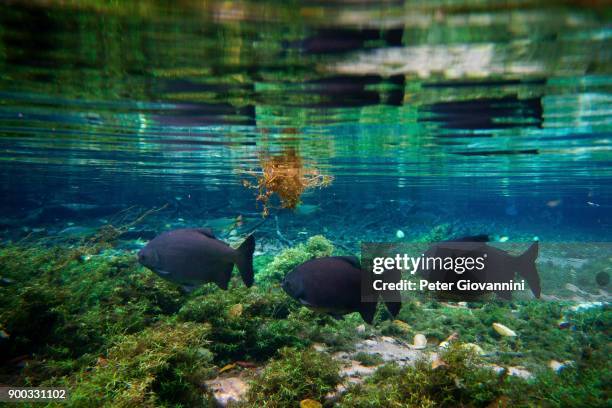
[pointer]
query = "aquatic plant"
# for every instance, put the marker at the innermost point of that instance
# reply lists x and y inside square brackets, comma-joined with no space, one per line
[296,375]
[317,246]
[286,176]
[162,365]
[63,314]
[246,324]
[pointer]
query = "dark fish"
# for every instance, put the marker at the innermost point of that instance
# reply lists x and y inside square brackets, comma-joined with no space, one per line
[332,285]
[500,266]
[194,256]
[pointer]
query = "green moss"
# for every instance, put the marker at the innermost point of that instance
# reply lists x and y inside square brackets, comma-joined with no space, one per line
[256,332]
[65,306]
[273,273]
[460,383]
[295,376]
[163,365]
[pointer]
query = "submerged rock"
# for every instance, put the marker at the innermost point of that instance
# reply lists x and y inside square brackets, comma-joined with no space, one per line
[228,390]
[558,366]
[503,330]
[420,342]
[309,403]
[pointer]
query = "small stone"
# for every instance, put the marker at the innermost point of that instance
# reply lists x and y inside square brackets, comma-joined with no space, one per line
[400,234]
[519,372]
[558,366]
[503,330]
[319,347]
[360,329]
[388,339]
[228,390]
[420,342]
[310,403]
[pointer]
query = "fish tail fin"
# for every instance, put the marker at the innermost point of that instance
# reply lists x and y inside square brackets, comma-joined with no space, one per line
[527,268]
[367,311]
[245,260]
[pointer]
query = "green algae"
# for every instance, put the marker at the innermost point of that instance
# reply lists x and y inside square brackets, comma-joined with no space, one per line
[62,305]
[296,375]
[93,320]
[317,246]
[163,365]
[462,379]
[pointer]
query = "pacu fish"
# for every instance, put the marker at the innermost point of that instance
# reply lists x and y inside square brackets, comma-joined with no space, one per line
[332,285]
[500,266]
[194,256]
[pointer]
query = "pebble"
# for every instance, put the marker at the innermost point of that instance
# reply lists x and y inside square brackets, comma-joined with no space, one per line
[557,366]
[319,347]
[503,330]
[360,329]
[420,342]
[310,403]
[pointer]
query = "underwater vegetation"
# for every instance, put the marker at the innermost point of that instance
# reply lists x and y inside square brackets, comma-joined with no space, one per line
[295,376]
[459,378]
[315,247]
[93,320]
[164,364]
[285,175]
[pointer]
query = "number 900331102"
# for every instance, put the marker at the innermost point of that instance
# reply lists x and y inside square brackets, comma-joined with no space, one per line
[16,394]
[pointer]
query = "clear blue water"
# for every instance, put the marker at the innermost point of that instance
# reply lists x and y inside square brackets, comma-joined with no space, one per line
[491,119]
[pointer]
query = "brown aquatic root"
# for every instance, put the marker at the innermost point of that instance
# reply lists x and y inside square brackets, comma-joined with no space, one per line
[105,236]
[109,232]
[286,176]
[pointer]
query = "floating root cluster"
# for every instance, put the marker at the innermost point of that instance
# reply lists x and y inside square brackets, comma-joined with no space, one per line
[286,176]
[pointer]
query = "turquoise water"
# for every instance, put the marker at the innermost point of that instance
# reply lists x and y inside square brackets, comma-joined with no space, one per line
[495,119]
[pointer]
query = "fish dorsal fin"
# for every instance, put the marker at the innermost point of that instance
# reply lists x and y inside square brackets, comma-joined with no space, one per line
[351,260]
[473,238]
[206,231]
